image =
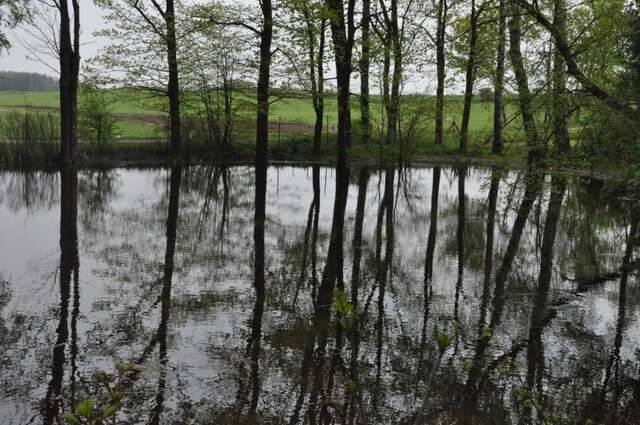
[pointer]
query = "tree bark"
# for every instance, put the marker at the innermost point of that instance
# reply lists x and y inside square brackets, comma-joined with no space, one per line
[316,74]
[262,119]
[560,108]
[470,77]
[342,34]
[394,107]
[535,147]
[69,70]
[364,65]
[173,86]
[441,70]
[498,91]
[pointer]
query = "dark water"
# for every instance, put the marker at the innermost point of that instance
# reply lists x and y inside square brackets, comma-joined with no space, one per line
[323,309]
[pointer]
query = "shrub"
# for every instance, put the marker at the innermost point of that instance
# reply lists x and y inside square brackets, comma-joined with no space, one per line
[30,135]
[96,122]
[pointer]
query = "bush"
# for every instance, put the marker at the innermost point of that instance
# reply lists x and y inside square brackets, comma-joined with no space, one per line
[30,135]
[30,128]
[486,95]
[96,122]
[609,136]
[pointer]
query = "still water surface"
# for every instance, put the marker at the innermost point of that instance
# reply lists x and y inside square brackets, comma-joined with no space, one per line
[531,281]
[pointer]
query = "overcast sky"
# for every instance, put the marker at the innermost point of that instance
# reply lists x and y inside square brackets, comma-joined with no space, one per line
[17,58]
[92,20]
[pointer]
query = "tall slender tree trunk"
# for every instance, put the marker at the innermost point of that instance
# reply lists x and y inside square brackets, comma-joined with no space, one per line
[386,83]
[364,65]
[470,77]
[262,120]
[228,116]
[69,52]
[173,86]
[396,79]
[441,70]
[342,34]
[560,113]
[498,90]
[535,147]
[316,75]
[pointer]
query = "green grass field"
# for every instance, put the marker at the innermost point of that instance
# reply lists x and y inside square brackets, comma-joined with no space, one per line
[123,102]
[131,106]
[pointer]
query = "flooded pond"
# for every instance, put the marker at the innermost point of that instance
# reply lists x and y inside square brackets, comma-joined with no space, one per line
[374,296]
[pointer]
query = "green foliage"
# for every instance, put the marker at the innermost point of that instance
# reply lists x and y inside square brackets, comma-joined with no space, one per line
[29,127]
[343,309]
[610,137]
[96,122]
[12,13]
[95,412]
[442,339]
[485,95]
[341,304]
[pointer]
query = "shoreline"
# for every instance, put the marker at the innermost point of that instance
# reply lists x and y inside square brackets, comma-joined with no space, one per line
[148,153]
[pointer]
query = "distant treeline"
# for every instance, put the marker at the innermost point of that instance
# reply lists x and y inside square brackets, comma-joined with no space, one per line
[26,81]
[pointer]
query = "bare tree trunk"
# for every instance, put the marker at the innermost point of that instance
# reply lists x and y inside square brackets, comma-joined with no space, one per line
[173,86]
[441,69]
[559,84]
[69,70]
[316,75]
[470,77]
[342,34]
[364,65]
[262,127]
[228,116]
[386,86]
[535,146]
[392,40]
[394,107]
[498,91]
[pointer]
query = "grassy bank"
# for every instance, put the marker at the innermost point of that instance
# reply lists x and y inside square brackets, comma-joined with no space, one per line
[142,133]
[140,115]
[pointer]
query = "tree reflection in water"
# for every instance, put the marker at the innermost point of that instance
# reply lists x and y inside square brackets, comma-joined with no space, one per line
[291,305]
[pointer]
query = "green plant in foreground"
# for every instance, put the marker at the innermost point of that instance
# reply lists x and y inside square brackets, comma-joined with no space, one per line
[96,412]
[344,309]
[442,339]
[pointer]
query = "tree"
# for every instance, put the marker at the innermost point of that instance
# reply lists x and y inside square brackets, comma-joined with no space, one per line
[441,34]
[393,39]
[12,13]
[262,121]
[96,121]
[69,52]
[474,22]
[588,84]
[305,49]
[364,66]
[343,31]
[141,41]
[535,147]
[212,70]
[560,108]
[498,85]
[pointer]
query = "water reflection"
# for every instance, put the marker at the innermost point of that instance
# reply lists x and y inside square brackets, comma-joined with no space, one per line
[270,300]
